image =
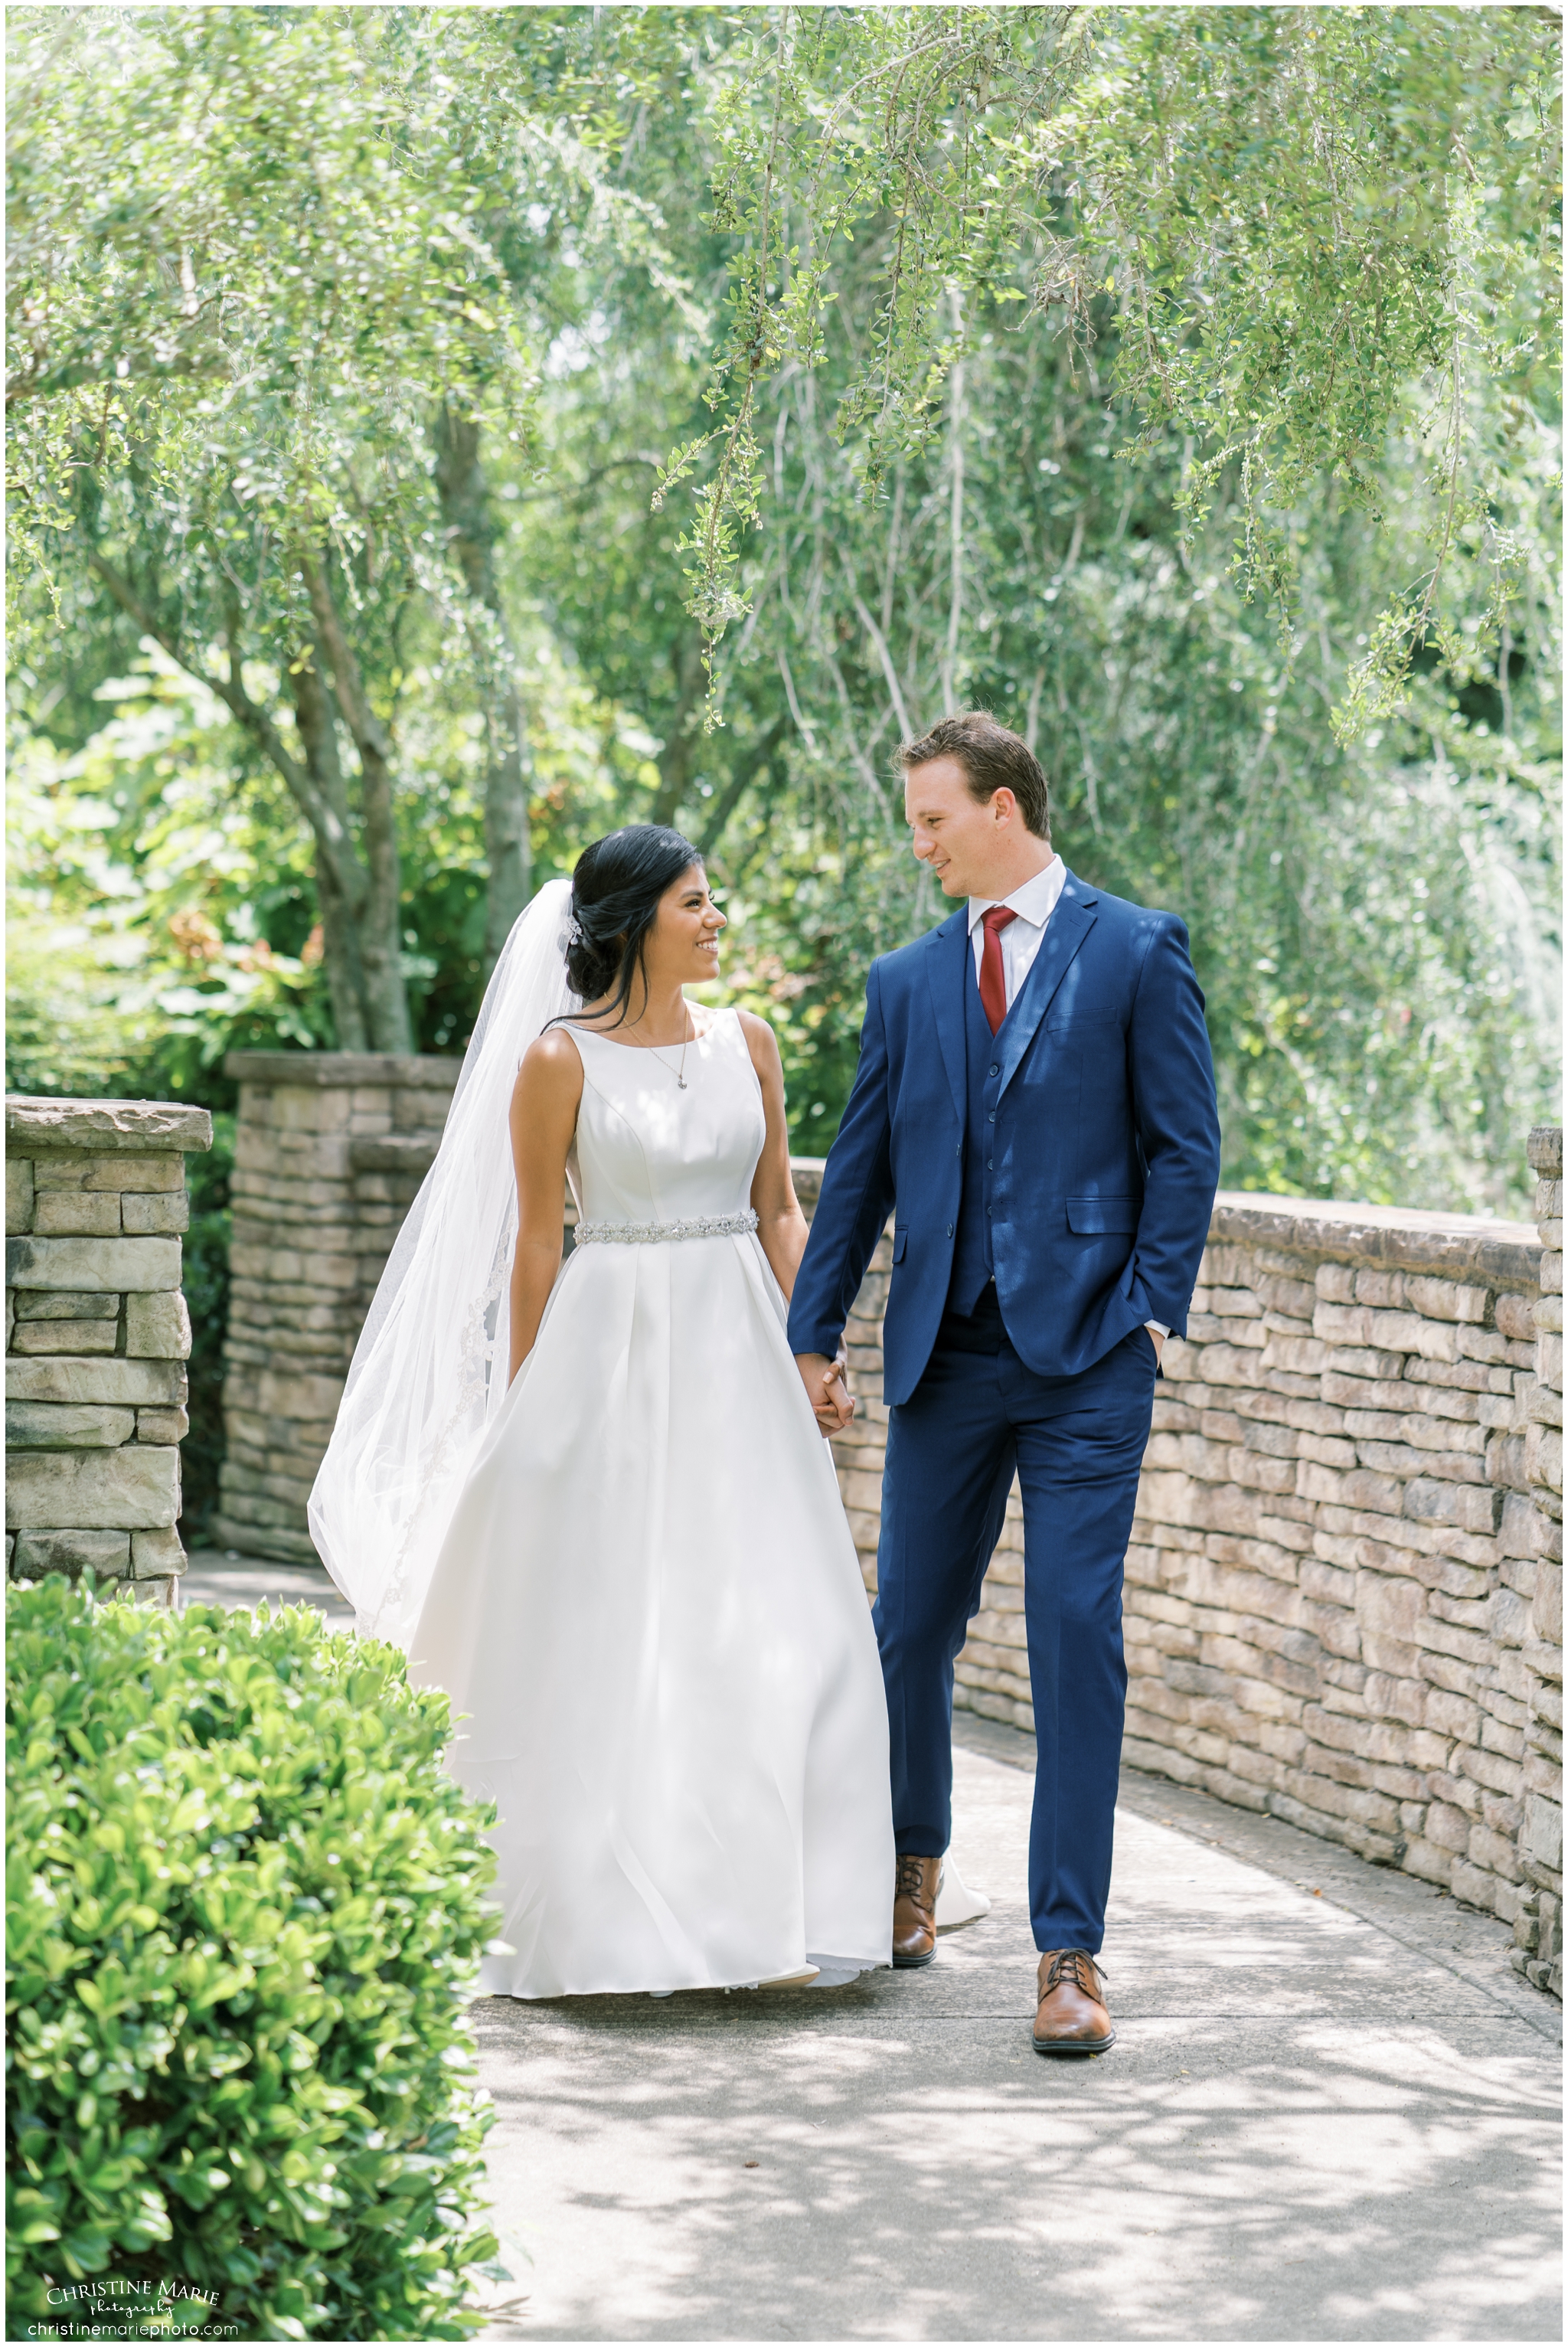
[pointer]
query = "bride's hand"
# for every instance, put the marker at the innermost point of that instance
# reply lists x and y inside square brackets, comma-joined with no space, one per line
[832,1403]
[837,1409]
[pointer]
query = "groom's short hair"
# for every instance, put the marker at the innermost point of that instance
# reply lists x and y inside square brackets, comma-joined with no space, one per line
[992,759]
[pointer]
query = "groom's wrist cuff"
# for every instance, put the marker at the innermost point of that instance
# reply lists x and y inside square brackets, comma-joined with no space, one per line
[825,1341]
[1156,1327]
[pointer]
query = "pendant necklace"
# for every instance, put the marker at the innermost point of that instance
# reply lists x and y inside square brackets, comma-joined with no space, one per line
[658,1051]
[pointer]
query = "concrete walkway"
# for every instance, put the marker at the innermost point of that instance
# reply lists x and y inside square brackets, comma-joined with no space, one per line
[1333,2113]
[219,1577]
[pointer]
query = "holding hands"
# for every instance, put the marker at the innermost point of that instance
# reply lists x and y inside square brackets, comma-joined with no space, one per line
[832,1403]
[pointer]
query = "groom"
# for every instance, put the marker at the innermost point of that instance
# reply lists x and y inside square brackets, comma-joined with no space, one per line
[1035,1104]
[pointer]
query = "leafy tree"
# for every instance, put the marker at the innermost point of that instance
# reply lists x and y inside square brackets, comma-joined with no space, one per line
[1374,917]
[1285,217]
[963,490]
[250,394]
[1016,554]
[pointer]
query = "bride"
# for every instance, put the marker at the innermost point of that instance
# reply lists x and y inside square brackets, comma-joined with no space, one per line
[589,1496]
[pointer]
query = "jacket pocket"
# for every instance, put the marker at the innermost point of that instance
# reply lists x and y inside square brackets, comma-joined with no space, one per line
[1090,1215]
[900,1240]
[1069,1023]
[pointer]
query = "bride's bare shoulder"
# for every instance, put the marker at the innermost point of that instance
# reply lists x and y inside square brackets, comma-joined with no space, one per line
[761,1042]
[551,1067]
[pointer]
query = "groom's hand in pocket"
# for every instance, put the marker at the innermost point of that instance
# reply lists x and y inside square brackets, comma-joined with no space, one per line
[832,1404]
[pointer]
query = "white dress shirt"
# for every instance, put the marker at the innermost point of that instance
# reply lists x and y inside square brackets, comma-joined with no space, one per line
[1034,904]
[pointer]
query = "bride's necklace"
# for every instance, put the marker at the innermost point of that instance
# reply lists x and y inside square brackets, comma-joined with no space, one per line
[658,1051]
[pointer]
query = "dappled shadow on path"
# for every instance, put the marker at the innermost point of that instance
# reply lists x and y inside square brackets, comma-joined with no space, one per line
[1305,2131]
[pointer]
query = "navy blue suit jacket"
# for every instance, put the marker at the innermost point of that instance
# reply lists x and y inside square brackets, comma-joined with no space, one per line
[1106,1153]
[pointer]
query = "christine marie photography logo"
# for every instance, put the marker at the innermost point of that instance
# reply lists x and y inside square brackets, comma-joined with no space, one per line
[124,2309]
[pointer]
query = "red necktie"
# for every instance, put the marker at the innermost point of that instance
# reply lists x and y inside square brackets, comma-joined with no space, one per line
[993,985]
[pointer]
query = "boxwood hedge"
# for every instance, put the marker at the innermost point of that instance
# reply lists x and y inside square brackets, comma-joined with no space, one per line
[245,1905]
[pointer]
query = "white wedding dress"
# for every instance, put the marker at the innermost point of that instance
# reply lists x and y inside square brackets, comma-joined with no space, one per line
[647,1599]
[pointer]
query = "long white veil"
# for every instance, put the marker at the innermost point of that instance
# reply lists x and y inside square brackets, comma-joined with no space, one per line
[431,1363]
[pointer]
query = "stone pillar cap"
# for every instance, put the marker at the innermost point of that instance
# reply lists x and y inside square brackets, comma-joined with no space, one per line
[1544,1149]
[343,1071]
[103,1125]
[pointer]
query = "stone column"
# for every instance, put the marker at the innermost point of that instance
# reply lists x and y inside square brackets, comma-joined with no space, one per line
[1538,1924]
[329,1151]
[97,1337]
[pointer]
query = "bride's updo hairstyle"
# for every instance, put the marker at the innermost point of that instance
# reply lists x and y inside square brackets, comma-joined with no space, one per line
[615,893]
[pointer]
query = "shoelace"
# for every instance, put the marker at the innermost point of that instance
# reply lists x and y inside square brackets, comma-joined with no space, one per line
[1080,1970]
[907,1884]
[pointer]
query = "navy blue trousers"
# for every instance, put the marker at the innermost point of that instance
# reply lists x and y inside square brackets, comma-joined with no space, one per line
[1077,1444]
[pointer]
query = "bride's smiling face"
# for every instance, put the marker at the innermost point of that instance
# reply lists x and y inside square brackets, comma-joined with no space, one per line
[683,946]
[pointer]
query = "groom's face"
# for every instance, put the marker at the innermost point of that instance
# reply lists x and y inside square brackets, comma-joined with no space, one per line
[964,842]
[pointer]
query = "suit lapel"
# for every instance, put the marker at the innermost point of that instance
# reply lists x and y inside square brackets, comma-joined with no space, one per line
[945,975]
[1065,931]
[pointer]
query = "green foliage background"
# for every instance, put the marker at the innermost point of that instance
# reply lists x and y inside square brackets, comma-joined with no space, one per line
[245,1905]
[1181,384]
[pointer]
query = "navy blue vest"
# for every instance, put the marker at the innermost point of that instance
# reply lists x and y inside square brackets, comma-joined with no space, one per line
[973,1264]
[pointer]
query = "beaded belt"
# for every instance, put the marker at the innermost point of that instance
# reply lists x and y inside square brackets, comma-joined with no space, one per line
[699,1227]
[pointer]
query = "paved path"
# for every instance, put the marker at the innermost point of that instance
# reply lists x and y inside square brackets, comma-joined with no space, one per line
[217,1576]
[1333,2113]
[1329,2117]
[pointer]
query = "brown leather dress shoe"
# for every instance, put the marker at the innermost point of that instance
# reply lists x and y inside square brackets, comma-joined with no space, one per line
[1072,2016]
[915,1893]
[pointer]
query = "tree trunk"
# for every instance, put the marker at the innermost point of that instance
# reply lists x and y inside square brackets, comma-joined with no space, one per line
[678,757]
[507,849]
[471,536]
[748,765]
[358,900]
[341,957]
[380,925]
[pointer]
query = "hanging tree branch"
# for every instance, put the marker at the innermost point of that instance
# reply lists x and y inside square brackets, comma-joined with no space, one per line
[322,818]
[1280,254]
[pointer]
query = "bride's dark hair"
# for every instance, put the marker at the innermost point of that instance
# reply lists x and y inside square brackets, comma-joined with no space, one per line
[615,893]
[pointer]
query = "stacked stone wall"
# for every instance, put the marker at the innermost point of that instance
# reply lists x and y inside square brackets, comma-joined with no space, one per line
[1343,1598]
[330,1149]
[1538,1922]
[1344,1592]
[96,1336]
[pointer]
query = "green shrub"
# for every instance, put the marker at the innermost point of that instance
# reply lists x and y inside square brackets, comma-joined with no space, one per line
[245,1906]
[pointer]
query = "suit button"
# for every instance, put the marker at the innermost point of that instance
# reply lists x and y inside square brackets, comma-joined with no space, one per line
[949,1230]
[995,1069]
[993,1118]
[988,1165]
